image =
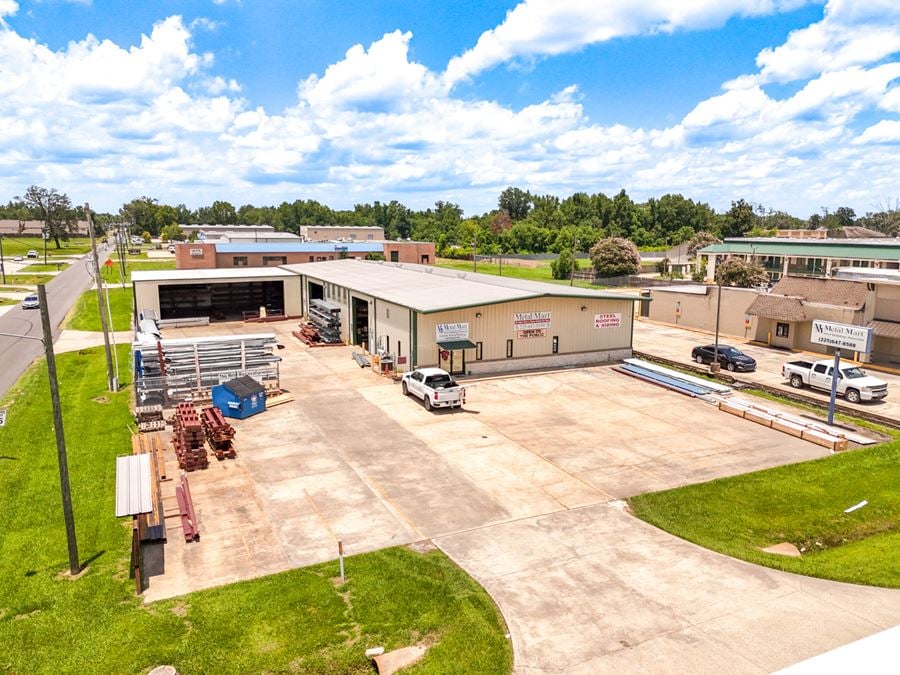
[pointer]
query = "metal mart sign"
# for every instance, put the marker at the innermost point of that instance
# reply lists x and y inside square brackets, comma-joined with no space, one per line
[842,336]
[531,320]
[451,332]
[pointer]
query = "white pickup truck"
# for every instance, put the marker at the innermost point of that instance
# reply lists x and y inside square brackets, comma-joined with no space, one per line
[435,387]
[853,383]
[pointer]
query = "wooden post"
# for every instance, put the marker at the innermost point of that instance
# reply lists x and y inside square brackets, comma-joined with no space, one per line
[74,566]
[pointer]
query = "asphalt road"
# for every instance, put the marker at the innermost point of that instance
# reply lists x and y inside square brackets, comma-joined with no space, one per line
[16,354]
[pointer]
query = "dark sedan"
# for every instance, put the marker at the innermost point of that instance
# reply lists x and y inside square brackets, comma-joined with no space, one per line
[730,358]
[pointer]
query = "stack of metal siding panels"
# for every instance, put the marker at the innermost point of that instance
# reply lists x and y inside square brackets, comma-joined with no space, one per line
[178,370]
[326,317]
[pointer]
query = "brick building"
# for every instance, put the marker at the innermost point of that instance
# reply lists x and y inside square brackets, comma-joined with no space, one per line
[207,255]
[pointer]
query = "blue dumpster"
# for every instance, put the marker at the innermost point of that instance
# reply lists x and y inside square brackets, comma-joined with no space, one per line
[239,398]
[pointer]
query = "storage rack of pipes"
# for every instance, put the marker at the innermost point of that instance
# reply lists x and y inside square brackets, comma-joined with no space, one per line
[326,317]
[169,371]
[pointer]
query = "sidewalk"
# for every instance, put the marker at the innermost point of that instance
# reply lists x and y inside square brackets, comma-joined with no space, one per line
[73,340]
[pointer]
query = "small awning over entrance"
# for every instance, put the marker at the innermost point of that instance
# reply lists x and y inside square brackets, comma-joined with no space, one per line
[888,329]
[456,344]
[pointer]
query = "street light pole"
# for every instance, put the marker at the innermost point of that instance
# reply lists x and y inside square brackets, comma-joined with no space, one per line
[110,377]
[715,365]
[45,233]
[2,262]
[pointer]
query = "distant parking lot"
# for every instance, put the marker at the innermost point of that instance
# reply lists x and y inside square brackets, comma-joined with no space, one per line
[676,344]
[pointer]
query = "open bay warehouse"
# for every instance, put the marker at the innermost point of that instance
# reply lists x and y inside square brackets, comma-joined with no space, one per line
[418,315]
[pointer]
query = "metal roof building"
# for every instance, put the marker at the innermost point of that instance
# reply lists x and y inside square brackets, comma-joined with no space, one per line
[804,257]
[418,315]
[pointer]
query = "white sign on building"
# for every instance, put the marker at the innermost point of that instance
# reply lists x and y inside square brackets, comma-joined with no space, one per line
[841,336]
[607,320]
[530,320]
[451,332]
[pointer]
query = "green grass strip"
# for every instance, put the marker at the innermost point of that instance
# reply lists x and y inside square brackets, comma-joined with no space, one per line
[802,504]
[86,316]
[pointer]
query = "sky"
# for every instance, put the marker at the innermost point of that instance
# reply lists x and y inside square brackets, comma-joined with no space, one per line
[792,104]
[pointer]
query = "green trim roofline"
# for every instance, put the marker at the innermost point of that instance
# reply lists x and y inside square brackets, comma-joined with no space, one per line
[890,250]
[604,296]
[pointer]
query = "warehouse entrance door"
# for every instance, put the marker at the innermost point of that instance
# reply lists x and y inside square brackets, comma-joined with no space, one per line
[452,355]
[359,317]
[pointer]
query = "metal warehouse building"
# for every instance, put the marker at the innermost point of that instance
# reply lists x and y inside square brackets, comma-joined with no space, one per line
[465,322]
[216,293]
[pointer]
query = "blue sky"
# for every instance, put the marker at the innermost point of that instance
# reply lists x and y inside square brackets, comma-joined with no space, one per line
[793,104]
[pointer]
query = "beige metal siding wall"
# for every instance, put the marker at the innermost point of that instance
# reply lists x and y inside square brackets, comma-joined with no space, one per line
[391,325]
[699,311]
[293,293]
[146,295]
[887,302]
[574,327]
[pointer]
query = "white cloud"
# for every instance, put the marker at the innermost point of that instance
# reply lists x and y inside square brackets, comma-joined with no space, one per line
[155,118]
[381,76]
[8,8]
[540,28]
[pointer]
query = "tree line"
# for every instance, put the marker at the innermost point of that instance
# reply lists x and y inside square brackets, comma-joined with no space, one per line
[523,222]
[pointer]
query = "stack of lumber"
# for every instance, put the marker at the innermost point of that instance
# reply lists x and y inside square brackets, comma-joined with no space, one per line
[149,418]
[189,525]
[219,433]
[788,424]
[152,526]
[188,439]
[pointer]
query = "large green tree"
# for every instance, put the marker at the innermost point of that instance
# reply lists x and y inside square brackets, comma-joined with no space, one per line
[739,219]
[54,209]
[516,202]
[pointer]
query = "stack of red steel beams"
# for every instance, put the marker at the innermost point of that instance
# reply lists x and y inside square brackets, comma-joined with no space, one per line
[188,439]
[189,525]
[219,433]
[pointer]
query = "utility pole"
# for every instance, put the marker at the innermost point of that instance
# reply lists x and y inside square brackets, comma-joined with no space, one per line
[2,262]
[475,253]
[574,261]
[110,377]
[74,566]
[45,233]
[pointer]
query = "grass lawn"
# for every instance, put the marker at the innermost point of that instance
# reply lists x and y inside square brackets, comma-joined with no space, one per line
[297,621]
[7,301]
[28,279]
[41,267]
[13,246]
[539,273]
[13,289]
[802,504]
[85,316]
[111,273]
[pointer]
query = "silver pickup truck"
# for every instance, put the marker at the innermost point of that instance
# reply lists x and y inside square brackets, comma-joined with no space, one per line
[853,383]
[435,387]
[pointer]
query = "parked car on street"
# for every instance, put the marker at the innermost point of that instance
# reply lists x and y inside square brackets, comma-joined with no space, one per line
[18,258]
[31,302]
[31,254]
[853,383]
[730,358]
[435,387]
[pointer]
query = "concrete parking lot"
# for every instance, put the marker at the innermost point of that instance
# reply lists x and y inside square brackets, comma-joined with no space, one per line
[521,488]
[676,343]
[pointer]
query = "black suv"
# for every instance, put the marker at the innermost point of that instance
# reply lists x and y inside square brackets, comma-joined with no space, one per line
[731,358]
